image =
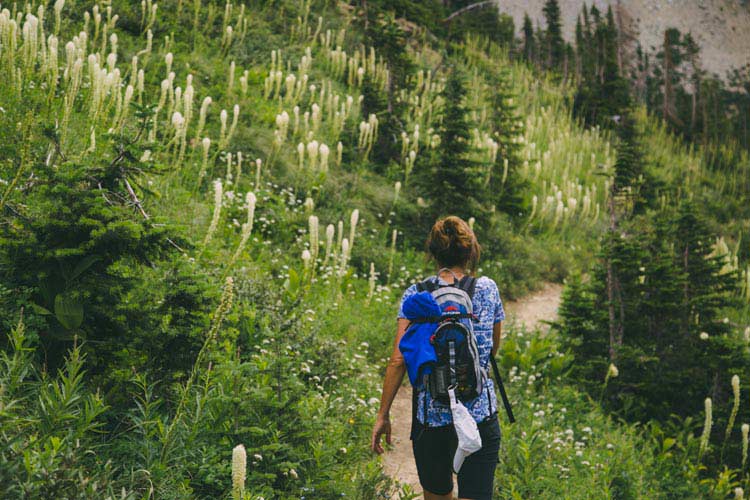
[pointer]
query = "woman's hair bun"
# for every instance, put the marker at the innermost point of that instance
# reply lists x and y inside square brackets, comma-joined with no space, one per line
[452,243]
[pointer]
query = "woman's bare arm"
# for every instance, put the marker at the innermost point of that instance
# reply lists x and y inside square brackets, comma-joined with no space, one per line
[497,331]
[394,374]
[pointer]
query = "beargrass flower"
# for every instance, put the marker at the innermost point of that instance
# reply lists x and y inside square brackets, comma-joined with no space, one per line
[706,426]
[394,236]
[353,227]
[371,283]
[745,431]
[309,204]
[324,152]
[235,120]
[306,258]
[314,235]
[202,115]
[223,116]
[312,153]
[344,257]
[239,471]
[247,227]
[258,167]
[330,232]
[218,197]
[168,58]
[735,406]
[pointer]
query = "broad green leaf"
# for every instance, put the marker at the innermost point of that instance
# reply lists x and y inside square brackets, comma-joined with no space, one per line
[83,265]
[68,311]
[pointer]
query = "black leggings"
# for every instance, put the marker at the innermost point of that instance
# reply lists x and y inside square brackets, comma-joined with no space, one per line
[434,448]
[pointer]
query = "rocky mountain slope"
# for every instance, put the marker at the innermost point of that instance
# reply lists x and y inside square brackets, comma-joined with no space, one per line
[722,27]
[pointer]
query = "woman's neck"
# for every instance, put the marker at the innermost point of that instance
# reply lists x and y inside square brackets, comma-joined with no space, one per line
[458,273]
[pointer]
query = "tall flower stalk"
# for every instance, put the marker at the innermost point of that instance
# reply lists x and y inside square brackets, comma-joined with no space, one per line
[247,227]
[745,432]
[706,427]
[733,413]
[394,236]
[239,471]
[218,198]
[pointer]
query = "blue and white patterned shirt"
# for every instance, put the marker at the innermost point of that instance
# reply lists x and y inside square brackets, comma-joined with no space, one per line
[488,307]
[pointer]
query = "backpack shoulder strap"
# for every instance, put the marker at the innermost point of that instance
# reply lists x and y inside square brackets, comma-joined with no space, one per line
[427,286]
[468,284]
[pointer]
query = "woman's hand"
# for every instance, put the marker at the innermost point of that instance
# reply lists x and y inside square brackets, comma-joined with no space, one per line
[382,426]
[394,374]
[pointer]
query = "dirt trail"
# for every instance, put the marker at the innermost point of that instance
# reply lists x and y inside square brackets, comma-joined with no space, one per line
[398,462]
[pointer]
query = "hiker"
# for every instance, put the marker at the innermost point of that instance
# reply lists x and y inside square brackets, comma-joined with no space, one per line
[454,248]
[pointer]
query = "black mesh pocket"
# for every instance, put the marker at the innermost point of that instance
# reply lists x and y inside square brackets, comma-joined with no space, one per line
[439,381]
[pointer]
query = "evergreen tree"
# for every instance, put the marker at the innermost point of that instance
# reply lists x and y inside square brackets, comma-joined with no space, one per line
[529,41]
[692,54]
[670,58]
[580,44]
[447,178]
[505,186]
[554,44]
[389,39]
[603,93]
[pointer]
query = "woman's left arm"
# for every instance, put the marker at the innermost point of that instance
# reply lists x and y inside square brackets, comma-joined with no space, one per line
[497,330]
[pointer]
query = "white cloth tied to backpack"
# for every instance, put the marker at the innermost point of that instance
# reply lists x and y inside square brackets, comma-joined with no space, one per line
[467,431]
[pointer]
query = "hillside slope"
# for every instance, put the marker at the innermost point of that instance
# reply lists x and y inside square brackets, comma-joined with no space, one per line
[200,250]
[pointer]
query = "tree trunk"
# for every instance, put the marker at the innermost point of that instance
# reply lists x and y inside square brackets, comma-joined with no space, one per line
[667,70]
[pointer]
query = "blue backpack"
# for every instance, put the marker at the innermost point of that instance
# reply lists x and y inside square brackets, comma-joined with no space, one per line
[457,365]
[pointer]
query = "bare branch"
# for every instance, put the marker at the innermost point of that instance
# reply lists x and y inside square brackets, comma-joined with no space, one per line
[466,9]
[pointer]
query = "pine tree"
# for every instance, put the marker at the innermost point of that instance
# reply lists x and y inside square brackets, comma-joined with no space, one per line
[604,93]
[529,41]
[671,59]
[388,38]
[505,186]
[692,54]
[580,44]
[554,44]
[447,178]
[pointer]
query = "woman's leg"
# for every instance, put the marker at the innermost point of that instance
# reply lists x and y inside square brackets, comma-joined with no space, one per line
[433,453]
[434,496]
[477,474]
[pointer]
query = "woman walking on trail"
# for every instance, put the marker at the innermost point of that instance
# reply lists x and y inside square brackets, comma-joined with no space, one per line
[454,247]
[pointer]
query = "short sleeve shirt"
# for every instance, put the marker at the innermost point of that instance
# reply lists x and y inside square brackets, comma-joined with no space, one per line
[488,307]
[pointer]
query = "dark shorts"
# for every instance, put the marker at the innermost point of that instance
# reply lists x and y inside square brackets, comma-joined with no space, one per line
[434,449]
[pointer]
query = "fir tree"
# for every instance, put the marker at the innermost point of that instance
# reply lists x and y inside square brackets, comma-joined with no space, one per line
[529,41]
[505,186]
[692,54]
[603,93]
[389,39]
[447,177]
[580,44]
[554,44]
